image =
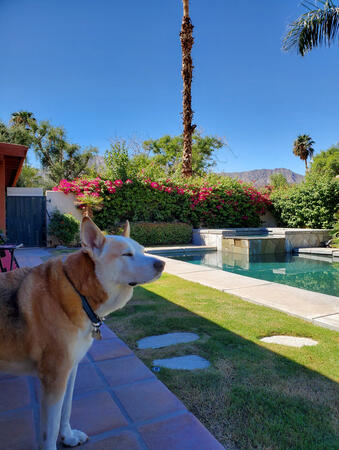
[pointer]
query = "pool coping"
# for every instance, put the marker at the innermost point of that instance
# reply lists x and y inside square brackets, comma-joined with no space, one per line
[320,309]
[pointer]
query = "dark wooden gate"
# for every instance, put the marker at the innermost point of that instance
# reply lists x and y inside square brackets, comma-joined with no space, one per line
[26,220]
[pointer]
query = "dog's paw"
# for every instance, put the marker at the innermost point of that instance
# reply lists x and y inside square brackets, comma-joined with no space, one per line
[75,438]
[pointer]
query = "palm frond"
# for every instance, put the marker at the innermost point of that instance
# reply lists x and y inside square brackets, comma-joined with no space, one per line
[314,28]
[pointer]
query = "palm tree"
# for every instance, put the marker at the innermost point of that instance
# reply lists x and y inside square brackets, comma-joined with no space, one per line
[302,147]
[317,26]
[22,118]
[186,37]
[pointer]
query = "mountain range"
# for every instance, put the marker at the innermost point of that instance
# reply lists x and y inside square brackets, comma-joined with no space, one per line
[261,177]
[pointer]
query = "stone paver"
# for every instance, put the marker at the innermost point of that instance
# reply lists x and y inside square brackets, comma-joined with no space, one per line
[216,278]
[298,302]
[96,413]
[188,362]
[88,379]
[290,341]
[178,433]
[120,371]
[108,349]
[17,431]
[148,400]
[165,340]
[331,321]
[117,401]
[14,393]
[122,441]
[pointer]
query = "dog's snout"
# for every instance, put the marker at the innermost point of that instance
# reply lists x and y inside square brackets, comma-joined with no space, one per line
[159,265]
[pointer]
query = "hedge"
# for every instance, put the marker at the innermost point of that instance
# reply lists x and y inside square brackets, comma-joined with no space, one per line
[161,233]
[310,204]
[226,203]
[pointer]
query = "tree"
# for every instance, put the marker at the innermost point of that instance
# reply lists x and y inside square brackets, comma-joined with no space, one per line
[30,177]
[167,152]
[326,162]
[58,157]
[117,160]
[302,147]
[186,37]
[316,27]
[15,134]
[24,118]
[278,181]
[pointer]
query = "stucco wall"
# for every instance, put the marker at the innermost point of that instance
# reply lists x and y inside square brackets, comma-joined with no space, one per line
[62,202]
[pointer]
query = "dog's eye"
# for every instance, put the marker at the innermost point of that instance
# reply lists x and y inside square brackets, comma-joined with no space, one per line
[127,254]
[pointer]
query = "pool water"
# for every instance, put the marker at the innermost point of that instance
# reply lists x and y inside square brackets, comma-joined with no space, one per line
[311,273]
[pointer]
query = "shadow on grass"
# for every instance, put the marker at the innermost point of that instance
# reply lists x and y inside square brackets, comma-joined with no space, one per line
[251,396]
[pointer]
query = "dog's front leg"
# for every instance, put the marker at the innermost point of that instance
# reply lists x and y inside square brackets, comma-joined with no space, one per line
[53,392]
[70,437]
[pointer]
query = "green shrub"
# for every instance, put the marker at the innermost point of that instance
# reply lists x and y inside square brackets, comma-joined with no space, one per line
[310,204]
[64,227]
[160,233]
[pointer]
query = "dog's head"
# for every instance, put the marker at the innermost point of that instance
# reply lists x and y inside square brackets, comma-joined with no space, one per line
[119,260]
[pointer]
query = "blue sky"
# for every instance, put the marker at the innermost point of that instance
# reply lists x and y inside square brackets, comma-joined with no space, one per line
[107,68]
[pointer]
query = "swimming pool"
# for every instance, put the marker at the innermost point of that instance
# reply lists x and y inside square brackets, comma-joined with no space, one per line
[311,273]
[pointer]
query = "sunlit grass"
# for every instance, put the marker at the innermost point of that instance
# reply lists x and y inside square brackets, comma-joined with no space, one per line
[254,395]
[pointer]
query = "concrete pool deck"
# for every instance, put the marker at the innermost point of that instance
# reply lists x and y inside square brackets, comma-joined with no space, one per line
[320,309]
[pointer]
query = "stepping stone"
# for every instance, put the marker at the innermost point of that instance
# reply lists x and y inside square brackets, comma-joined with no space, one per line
[165,340]
[290,341]
[189,362]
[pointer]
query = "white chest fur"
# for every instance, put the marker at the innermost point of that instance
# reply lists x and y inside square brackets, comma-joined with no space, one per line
[82,344]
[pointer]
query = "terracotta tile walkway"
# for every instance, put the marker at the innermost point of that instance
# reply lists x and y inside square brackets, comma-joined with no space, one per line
[118,402]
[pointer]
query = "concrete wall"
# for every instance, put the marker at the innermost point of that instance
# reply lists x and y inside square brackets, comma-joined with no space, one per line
[62,202]
[65,204]
[294,237]
[305,238]
[25,192]
[207,237]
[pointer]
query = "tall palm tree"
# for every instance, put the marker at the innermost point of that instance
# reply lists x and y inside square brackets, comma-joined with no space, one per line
[186,37]
[316,27]
[22,118]
[302,147]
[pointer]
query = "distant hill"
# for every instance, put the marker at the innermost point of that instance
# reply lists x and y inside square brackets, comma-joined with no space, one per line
[261,177]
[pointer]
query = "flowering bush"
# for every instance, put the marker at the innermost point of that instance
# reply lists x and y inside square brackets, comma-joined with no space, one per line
[220,203]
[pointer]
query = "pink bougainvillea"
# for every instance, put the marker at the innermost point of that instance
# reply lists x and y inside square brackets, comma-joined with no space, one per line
[203,204]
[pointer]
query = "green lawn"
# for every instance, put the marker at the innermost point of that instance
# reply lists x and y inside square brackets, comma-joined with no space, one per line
[254,395]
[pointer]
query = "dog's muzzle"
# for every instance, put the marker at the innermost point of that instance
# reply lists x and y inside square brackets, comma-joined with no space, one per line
[158,266]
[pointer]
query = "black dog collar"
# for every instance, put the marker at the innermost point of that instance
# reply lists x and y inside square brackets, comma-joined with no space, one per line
[94,318]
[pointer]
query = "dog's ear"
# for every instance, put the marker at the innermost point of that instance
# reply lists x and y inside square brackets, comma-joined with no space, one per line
[127,229]
[91,236]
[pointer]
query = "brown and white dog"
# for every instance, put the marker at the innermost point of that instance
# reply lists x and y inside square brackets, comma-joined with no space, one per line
[44,329]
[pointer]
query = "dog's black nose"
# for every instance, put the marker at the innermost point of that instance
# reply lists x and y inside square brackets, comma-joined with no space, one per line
[159,265]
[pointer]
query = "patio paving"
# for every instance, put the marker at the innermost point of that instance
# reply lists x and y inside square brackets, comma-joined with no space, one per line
[118,401]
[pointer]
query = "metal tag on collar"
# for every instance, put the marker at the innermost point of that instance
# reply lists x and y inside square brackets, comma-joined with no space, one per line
[96,333]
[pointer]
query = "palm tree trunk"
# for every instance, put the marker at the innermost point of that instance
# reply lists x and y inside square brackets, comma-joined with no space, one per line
[306,164]
[186,37]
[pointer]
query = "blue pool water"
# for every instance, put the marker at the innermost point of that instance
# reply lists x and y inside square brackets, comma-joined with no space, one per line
[313,274]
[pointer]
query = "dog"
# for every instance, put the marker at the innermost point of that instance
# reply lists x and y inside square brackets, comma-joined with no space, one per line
[49,315]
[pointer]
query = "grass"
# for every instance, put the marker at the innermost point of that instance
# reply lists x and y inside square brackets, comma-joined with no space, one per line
[254,395]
